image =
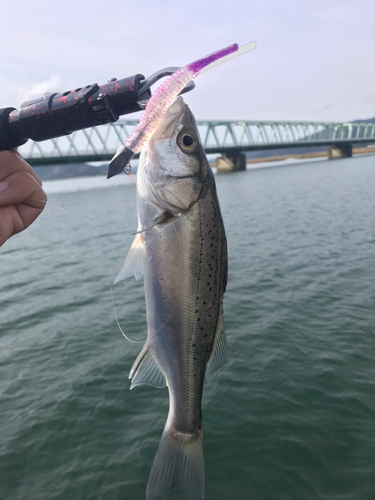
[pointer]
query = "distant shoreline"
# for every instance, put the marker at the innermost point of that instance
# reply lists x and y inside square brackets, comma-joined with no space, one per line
[78,170]
[305,156]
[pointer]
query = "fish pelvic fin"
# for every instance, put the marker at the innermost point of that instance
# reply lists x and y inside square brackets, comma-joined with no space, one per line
[146,371]
[178,464]
[133,264]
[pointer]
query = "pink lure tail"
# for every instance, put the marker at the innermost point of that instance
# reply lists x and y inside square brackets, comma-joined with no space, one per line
[197,66]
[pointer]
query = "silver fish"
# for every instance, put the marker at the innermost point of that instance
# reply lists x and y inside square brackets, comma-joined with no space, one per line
[180,246]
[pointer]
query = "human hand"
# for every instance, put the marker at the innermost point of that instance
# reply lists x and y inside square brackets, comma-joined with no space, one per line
[21,195]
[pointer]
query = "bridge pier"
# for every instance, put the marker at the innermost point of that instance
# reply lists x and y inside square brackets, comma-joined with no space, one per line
[233,162]
[340,151]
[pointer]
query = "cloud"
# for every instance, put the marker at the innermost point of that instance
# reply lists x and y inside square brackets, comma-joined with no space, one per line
[309,53]
[53,84]
[321,109]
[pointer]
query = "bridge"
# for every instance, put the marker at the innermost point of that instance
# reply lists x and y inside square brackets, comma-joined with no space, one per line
[230,138]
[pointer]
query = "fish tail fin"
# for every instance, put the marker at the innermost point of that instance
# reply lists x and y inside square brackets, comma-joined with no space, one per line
[178,464]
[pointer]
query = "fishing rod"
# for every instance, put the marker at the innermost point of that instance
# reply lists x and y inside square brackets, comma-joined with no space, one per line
[58,114]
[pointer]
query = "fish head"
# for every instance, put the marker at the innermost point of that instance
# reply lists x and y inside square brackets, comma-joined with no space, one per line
[173,168]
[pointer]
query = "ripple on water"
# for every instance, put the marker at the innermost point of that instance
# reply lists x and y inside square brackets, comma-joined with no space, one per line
[292,415]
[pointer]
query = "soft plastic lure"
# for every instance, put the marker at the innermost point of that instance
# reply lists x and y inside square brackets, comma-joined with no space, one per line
[162,98]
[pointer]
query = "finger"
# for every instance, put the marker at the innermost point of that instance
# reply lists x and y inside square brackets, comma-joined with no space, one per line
[27,215]
[21,187]
[11,223]
[12,161]
[15,151]
[16,218]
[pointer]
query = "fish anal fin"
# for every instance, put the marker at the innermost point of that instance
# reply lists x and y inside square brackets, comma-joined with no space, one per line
[146,371]
[219,354]
[133,265]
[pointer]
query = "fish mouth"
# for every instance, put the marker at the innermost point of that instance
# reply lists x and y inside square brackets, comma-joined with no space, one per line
[165,130]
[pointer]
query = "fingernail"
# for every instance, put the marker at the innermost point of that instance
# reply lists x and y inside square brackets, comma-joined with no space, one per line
[3,187]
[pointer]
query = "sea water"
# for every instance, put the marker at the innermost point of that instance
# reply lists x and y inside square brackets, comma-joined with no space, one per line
[290,417]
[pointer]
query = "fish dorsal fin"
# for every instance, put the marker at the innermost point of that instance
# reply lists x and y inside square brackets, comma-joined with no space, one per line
[219,354]
[146,371]
[133,265]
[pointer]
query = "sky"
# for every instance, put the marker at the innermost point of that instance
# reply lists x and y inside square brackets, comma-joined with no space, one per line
[314,58]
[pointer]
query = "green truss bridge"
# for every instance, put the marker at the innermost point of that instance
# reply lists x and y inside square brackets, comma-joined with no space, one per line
[230,138]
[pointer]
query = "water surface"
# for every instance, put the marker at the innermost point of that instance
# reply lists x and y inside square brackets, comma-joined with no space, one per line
[291,417]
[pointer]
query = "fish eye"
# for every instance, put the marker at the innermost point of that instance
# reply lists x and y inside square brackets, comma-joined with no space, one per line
[187,142]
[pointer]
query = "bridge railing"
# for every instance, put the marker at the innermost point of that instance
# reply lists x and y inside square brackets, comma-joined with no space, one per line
[249,133]
[100,143]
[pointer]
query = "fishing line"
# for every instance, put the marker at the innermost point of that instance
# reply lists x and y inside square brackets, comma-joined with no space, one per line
[107,267]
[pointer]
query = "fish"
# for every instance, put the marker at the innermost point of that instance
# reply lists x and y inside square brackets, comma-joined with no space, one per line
[180,247]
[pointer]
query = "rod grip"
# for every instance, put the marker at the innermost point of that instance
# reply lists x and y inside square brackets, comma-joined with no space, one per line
[56,115]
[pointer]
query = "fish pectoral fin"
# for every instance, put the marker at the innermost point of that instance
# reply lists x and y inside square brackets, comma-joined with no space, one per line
[146,371]
[133,265]
[158,219]
[219,354]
